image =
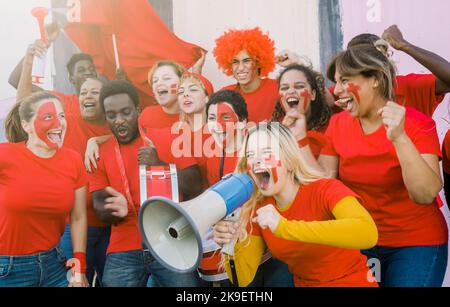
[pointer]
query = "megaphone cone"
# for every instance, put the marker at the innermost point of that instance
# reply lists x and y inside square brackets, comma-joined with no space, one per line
[173,232]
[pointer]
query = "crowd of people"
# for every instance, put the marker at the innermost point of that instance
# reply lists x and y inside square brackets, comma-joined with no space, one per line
[346,178]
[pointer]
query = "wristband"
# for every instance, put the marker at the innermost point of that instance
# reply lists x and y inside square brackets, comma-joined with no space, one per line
[78,263]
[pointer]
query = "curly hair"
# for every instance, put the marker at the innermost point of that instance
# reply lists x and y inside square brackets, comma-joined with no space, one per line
[258,45]
[320,113]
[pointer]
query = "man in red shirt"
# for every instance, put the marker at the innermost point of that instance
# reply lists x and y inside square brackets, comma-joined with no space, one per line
[115,190]
[249,56]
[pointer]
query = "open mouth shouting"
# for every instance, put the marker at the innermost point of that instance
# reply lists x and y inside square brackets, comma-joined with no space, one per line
[292,102]
[122,132]
[55,136]
[263,177]
[346,103]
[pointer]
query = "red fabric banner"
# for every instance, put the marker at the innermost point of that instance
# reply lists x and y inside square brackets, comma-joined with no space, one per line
[142,39]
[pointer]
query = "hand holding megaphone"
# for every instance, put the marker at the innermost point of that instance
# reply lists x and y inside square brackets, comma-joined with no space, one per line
[226,232]
[173,232]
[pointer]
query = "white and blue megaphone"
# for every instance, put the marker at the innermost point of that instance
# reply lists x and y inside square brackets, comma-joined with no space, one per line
[173,231]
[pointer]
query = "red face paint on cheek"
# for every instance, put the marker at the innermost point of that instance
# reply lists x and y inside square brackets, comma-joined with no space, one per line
[173,88]
[46,120]
[273,163]
[354,89]
[227,119]
[306,95]
[275,175]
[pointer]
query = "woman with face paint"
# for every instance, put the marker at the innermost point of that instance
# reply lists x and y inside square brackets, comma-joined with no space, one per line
[41,184]
[227,121]
[315,225]
[389,155]
[303,107]
[424,92]
[163,78]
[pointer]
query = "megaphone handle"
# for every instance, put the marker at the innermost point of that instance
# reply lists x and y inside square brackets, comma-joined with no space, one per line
[229,248]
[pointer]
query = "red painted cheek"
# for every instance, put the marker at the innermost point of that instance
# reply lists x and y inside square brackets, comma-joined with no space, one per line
[46,120]
[273,163]
[173,88]
[354,89]
[275,175]
[306,95]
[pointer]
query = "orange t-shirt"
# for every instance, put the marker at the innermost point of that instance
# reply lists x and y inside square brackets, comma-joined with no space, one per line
[154,117]
[125,236]
[260,103]
[36,197]
[415,90]
[317,265]
[368,164]
[77,134]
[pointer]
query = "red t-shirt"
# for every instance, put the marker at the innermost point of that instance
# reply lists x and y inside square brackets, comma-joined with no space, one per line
[213,167]
[260,103]
[415,90]
[317,265]
[317,141]
[125,236]
[36,197]
[368,164]
[154,117]
[77,134]
[446,153]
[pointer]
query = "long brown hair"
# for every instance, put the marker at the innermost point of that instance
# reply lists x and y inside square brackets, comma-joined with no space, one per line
[23,110]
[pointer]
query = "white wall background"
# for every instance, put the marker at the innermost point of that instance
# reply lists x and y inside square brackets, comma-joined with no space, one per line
[292,24]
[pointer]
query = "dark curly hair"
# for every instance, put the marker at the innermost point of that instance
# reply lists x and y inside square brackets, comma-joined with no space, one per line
[117,87]
[234,99]
[320,113]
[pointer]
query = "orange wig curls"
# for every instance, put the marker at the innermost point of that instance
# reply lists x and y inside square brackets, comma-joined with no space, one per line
[258,45]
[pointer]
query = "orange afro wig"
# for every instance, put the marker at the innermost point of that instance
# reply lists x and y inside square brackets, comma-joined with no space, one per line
[259,46]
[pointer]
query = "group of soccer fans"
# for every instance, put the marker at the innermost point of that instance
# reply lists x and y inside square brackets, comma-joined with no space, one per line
[346,178]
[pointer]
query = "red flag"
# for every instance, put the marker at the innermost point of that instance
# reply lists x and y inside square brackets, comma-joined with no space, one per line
[142,39]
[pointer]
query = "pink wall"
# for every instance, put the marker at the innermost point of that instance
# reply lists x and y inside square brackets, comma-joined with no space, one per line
[423,23]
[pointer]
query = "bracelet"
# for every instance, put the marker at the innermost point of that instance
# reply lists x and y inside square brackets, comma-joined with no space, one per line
[77,263]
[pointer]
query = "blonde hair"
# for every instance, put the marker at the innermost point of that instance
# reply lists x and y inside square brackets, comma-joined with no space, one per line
[191,77]
[179,70]
[292,158]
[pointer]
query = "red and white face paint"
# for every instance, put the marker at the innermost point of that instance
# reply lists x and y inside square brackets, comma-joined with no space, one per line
[354,90]
[295,91]
[223,123]
[264,164]
[48,125]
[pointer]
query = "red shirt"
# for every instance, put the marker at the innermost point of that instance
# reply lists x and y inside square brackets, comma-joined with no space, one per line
[317,265]
[417,91]
[155,117]
[36,197]
[317,141]
[260,103]
[446,153]
[213,167]
[125,236]
[78,133]
[368,164]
